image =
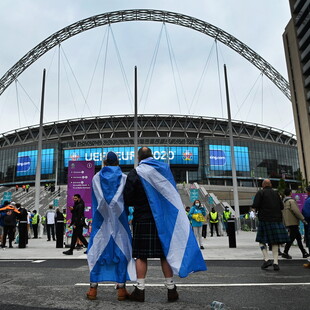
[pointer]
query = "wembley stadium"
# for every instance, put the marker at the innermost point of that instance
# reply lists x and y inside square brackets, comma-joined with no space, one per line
[196,148]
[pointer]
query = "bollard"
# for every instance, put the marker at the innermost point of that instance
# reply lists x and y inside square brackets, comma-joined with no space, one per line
[231,233]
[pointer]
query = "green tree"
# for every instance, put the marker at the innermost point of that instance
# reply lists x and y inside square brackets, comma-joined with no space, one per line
[281,187]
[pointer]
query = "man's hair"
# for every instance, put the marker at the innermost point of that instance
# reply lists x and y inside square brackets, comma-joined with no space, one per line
[18,205]
[77,195]
[266,183]
[287,192]
[144,152]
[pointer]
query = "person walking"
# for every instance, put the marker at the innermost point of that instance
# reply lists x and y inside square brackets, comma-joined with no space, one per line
[35,223]
[50,223]
[214,221]
[22,226]
[160,225]
[109,254]
[306,214]
[271,229]
[197,215]
[59,218]
[77,222]
[292,216]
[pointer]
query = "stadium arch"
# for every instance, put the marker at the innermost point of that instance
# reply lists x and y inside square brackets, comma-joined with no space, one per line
[145,15]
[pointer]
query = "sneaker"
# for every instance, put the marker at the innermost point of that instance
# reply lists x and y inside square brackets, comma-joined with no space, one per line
[276,267]
[286,255]
[69,252]
[92,293]
[201,247]
[305,255]
[122,294]
[173,294]
[266,264]
[137,295]
[306,265]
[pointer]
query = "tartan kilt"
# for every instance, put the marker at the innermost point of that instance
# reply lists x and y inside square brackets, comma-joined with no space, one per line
[272,233]
[146,243]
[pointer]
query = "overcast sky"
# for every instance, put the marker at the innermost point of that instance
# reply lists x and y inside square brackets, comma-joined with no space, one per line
[96,66]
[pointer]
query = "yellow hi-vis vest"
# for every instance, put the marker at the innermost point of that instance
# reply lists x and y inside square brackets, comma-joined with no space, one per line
[35,219]
[226,216]
[213,217]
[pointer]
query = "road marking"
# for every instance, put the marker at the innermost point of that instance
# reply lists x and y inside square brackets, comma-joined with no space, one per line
[209,284]
[38,261]
[14,260]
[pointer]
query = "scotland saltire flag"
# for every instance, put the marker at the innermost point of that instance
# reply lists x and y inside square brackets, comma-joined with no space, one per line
[177,238]
[109,251]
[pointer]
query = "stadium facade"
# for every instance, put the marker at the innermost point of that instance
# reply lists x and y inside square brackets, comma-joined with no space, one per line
[197,149]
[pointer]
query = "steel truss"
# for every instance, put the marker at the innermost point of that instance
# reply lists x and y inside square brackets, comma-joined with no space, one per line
[145,15]
[153,129]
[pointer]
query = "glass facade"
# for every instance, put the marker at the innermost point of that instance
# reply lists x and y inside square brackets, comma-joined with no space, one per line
[207,160]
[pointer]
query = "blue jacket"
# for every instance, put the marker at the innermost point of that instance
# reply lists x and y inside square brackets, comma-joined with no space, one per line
[306,209]
[195,210]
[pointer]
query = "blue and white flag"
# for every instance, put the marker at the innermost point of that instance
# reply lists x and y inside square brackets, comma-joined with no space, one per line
[109,251]
[175,233]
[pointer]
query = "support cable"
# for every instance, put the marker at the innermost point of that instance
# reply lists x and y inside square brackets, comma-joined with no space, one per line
[78,84]
[104,69]
[219,77]
[149,76]
[17,101]
[201,80]
[58,88]
[129,93]
[254,97]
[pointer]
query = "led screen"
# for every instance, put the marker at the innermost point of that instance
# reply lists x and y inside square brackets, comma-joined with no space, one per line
[27,162]
[178,155]
[220,157]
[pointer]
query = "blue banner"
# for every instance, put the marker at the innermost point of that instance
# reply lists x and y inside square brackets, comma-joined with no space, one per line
[175,155]
[27,162]
[220,157]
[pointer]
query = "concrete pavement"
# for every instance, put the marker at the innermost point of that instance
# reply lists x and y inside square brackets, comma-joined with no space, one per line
[216,248]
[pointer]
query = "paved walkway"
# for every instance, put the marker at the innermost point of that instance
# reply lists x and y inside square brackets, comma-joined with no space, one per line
[216,248]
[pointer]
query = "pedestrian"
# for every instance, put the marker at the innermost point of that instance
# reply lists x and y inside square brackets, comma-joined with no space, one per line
[306,214]
[59,218]
[35,223]
[292,216]
[77,222]
[270,230]
[110,234]
[226,217]
[9,221]
[16,187]
[50,222]
[197,215]
[22,226]
[213,218]
[160,225]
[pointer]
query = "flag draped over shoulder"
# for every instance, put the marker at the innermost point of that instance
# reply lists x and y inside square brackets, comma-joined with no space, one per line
[109,252]
[177,238]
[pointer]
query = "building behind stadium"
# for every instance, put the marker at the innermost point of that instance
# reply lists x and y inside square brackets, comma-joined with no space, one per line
[196,148]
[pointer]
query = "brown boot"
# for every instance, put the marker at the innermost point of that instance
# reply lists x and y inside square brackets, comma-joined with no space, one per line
[173,294]
[92,293]
[137,295]
[122,294]
[307,265]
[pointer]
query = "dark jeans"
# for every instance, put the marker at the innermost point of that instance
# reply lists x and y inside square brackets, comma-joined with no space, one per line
[216,228]
[10,232]
[294,234]
[35,230]
[50,228]
[77,233]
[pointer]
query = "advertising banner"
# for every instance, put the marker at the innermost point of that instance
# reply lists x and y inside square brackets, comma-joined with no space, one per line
[175,155]
[300,199]
[193,194]
[220,157]
[7,196]
[80,175]
[27,162]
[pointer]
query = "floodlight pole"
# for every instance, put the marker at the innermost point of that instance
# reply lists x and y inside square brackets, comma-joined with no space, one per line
[136,122]
[39,158]
[233,162]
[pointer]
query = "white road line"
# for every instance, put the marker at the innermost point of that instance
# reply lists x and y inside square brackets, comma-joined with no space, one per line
[15,260]
[38,261]
[210,284]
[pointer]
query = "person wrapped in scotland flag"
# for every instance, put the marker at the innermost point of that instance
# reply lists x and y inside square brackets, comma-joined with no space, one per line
[109,251]
[160,225]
